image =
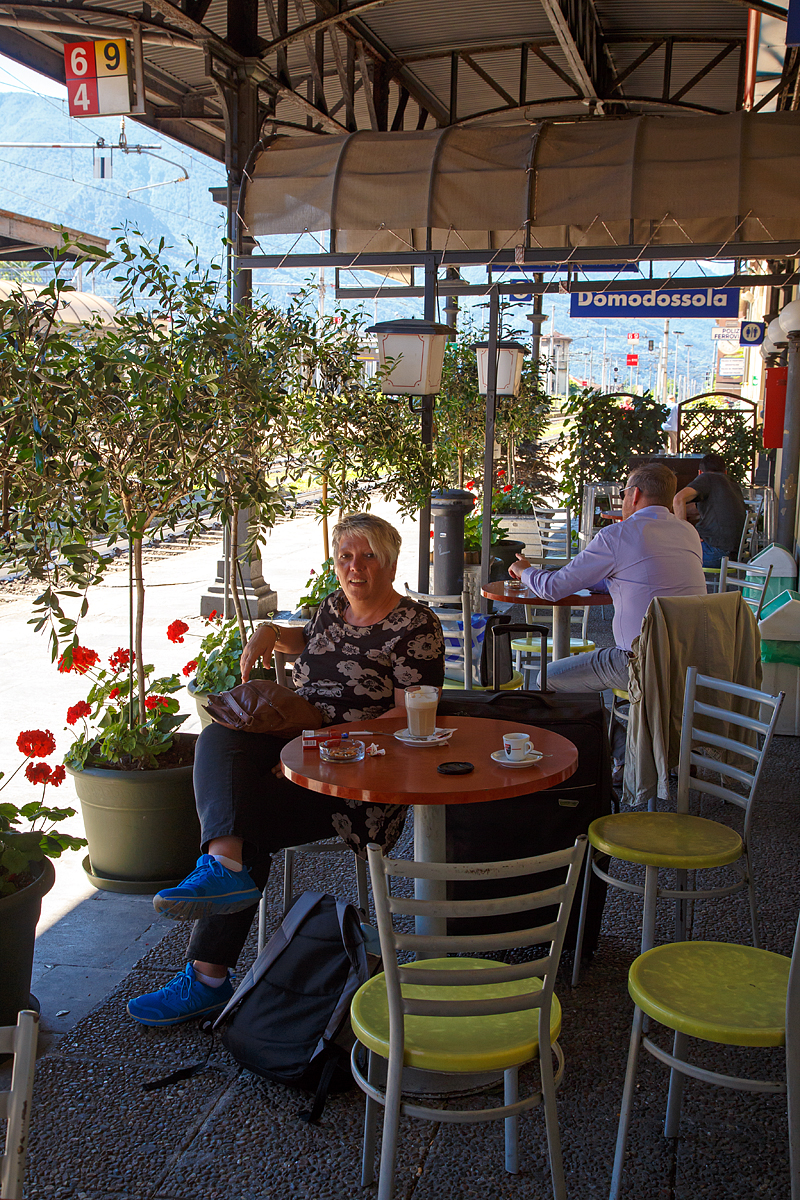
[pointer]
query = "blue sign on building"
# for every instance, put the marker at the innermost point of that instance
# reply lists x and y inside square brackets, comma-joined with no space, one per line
[664,302]
[793,23]
[752,333]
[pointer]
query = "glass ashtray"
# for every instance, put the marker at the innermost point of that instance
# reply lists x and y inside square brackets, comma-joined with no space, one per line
[341,750]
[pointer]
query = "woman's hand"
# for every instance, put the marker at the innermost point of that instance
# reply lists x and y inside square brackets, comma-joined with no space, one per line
[261,645]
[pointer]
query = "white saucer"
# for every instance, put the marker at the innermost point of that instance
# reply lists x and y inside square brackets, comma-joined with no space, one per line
[438,738]
[499,756]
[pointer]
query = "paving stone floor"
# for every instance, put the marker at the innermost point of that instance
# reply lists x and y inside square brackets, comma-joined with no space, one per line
[224,1133]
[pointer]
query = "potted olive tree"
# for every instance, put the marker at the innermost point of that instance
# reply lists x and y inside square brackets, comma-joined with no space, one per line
[348,436]
[137,422]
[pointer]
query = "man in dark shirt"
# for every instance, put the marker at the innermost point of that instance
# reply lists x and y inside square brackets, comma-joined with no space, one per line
[720,510]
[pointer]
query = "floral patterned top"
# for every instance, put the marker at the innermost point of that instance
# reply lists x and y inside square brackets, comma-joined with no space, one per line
[349,672]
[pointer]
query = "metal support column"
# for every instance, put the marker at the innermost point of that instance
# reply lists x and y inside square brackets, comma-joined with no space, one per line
[426,435]
[488,445]
[785,533]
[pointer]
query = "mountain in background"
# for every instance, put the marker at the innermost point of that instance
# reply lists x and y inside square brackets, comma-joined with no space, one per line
[58,185]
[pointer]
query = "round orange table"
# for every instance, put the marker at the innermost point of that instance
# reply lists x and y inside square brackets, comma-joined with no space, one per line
[561,608]
[408,775]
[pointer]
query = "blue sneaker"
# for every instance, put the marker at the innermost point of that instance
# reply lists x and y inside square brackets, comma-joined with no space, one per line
[210,891]
[183,998]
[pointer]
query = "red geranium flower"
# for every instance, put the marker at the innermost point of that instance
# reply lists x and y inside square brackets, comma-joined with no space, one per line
[500,471]
[112,695]
[152,702]
[176,630]
[508,488]
[38,772]
[58,776]
[120,659]
[190,668]
[82,659]
[213,615]
[471,484]
[81,709]
[36,743]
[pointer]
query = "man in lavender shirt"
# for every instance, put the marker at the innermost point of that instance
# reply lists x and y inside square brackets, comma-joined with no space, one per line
[648,553]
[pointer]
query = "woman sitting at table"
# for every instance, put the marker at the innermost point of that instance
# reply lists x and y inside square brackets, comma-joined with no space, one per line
[365,644]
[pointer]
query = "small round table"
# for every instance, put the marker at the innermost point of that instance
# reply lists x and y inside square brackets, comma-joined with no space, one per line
[561,608]
[408,775]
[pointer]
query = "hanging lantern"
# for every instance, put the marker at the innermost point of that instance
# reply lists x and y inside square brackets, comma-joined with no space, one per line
[509,367]
[776,334]
[417,348]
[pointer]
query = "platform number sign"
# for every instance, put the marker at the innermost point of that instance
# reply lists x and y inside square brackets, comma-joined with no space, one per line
[98,78]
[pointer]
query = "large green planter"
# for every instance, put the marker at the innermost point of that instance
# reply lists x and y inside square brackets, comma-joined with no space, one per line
[200,700]
[19,914]
[141,826]
[504,553]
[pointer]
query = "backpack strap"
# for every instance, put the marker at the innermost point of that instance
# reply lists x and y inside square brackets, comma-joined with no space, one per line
[312,1115]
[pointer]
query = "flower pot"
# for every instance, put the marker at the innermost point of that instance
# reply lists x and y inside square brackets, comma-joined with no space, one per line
[18,916]
[307,611]
[472,557]
[200,700]
[142,826]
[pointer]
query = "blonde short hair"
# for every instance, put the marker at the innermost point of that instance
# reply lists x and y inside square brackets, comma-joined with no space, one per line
[383,538]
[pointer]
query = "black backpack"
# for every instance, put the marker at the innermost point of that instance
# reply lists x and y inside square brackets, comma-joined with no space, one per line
[289,1019]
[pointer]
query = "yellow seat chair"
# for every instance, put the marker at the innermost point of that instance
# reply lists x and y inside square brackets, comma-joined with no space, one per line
[717,992]
[679,840]
[445,1024]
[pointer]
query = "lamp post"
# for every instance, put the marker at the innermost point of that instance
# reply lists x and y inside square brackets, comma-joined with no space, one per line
[414,350]
[785,330]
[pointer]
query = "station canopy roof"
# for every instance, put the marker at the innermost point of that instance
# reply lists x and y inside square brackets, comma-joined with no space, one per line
[324,67]
[648,180]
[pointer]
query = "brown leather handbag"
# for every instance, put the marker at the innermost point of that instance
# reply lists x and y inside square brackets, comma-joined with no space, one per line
[261,706]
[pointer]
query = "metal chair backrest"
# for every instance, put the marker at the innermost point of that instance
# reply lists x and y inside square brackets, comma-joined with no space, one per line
[394,941]
[555,528]
[733,575]
[747,542]
[739,723]
[15,1104]
[591,492]
[456,623]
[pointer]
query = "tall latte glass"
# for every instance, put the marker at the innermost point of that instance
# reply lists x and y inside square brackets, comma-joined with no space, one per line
[421,703]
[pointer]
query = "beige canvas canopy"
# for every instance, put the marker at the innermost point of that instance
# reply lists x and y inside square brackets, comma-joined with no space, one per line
[655,180]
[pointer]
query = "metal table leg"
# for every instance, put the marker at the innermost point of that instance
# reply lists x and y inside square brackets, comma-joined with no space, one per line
[561,627]
[430,845]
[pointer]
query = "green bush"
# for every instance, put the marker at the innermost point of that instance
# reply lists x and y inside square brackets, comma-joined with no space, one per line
[601,432]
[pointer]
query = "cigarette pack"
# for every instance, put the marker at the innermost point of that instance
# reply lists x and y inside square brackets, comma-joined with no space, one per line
[313,737]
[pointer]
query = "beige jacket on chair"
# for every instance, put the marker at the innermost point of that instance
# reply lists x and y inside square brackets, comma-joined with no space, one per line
[717,634]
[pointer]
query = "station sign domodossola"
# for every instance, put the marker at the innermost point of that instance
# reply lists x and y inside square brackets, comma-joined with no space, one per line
[694,302]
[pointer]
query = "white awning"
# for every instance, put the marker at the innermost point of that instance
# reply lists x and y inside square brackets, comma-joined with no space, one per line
[656,180]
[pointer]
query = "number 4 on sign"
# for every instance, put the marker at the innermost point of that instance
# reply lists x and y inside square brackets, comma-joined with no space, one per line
[82,94]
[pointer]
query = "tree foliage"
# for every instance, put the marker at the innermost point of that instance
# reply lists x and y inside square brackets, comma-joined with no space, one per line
[601,431]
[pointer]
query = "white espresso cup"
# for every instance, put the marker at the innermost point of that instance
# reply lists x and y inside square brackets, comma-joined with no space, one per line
[422,701]
[517,746]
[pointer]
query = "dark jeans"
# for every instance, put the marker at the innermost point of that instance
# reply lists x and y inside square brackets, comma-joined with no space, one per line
[237,795]
[712,557]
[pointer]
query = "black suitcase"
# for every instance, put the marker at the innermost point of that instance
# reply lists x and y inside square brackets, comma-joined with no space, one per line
[540,821]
